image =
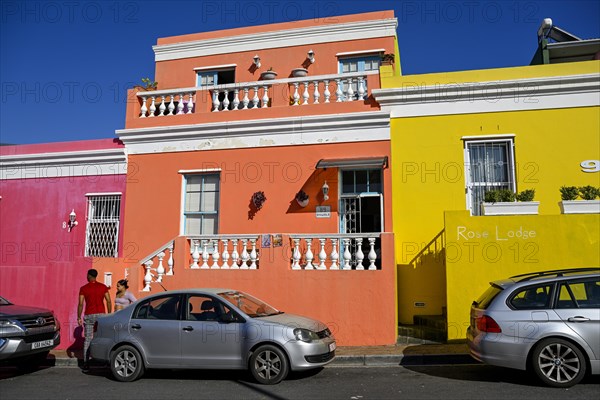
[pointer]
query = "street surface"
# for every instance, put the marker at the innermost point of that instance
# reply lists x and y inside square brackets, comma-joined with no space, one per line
[352,383]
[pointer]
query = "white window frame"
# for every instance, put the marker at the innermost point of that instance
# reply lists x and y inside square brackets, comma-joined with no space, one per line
[184,214]
[358,196]
[108,199]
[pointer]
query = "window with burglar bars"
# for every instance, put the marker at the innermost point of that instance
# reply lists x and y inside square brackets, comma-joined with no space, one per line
[102,231]
[490,166]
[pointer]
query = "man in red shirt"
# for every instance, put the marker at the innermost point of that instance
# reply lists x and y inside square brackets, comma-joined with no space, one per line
[93,293]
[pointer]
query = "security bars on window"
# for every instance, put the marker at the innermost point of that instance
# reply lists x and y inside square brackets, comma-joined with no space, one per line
[102,231]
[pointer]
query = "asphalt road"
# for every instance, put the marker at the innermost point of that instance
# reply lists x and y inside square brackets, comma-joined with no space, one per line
[352,383]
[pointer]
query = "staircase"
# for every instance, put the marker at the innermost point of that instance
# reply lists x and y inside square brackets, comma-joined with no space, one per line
[426,329]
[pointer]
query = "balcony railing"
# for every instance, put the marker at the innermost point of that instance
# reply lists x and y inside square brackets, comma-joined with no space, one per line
[257,94]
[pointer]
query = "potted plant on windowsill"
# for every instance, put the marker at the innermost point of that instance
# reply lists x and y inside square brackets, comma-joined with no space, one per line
[588,204]
[387,59]
[268,75]
[506,202]
[302,198]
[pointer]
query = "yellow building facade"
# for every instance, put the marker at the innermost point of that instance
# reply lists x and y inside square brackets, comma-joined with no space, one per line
[455,136]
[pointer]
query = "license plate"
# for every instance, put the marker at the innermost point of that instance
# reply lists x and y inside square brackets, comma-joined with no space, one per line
[42,344]
[332,346]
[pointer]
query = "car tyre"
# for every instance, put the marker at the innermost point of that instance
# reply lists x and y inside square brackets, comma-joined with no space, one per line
[126,364]
[269,365]
[558,363]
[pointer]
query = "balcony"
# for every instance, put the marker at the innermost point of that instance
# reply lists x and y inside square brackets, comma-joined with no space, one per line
[350,92]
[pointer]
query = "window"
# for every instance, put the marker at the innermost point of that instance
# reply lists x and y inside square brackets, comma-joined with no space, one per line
[489,166]
[532,297]
[579,295]
[211,78]
[161,308]
[102,230]
[201,211]
[358,64]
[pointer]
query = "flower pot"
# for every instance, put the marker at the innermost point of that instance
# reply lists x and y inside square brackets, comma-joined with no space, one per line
[268,75]
[510,208]
[299,72]
[302,203]
[580,206]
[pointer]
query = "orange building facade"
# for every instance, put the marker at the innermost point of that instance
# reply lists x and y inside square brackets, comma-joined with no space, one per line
[276,185]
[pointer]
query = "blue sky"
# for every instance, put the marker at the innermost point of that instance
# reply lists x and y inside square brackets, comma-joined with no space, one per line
[65,65]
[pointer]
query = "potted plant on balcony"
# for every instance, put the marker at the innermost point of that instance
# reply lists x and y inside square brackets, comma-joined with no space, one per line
[506,202]
[387,59]
[268,74]
[299,72]
[302,198]
[146,85]
[588,204]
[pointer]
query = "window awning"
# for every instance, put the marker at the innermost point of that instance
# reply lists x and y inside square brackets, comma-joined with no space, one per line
[366,162]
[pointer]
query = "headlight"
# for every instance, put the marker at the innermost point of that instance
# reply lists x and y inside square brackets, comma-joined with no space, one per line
[9,327]
[305,335]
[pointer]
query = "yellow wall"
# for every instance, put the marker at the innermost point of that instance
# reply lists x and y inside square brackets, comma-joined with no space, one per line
[483,249]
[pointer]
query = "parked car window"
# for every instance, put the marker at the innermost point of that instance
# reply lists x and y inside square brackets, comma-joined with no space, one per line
[202,308]
[486,298]
[161,308]
[252,306]
[532,297]
[584,294]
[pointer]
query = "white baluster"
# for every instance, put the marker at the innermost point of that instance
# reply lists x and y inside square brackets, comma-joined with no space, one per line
[195,255]
[350,91]
[326,93]
[334,255]
[171,105]
[316,93]
[296,255]
[265,98]
[148,276]
[162,107]
[338,91]
[152,107]
[309,255]
[144,109]
[180,104]
[361,88]
[296,96]
[236,99]
[234,255]
[205,255]
[190,103]
[255,99]
[215,100]
[305,94]
[245,255]
[226,101]
[170,260]
[322,255]
[359,254]
[160,270]
[215,254]
[253,254]
[245,100]
[347,255]
[372,255]
[225,255]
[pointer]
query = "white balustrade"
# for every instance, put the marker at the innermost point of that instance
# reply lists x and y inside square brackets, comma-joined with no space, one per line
[350,246]
[160,270]
[215,252]
[174,102]
[158,256]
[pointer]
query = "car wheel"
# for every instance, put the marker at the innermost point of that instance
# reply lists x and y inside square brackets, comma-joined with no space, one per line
[126,364]
[558,363]
[269,365]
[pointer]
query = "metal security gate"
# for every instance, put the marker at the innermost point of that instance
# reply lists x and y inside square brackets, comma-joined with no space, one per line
[102,230]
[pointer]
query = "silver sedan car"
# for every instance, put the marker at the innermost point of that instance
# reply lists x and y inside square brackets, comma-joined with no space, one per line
[547,322]
[210,329]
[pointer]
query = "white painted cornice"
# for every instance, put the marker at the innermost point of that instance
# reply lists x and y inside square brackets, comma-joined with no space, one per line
[321,129]
[63,164]
[323,33]
[414,99]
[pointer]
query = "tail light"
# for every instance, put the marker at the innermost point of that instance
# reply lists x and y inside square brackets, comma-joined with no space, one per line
[487,324]
[95,326]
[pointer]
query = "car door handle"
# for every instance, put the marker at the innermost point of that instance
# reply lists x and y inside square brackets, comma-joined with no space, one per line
[578,319]
[136,326]
[188,328]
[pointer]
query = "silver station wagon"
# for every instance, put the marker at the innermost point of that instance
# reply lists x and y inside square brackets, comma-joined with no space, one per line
[547,322]
[210,329]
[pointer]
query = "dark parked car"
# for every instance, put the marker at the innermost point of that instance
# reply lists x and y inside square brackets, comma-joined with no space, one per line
[212,329]
[27,334]
[547,322]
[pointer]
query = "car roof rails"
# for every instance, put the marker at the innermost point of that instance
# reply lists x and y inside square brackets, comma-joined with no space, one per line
[556,272]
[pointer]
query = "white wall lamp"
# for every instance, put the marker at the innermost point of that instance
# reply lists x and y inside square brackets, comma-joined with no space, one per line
[72,220]
[311,56]
[257,61]
[325,189]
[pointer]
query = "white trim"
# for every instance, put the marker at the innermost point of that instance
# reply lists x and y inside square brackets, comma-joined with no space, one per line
[63,164]
[320,33]
[356,53]
[414,100]
[198,171]
[215,67]
[104,194]
[289,131]
[489,137]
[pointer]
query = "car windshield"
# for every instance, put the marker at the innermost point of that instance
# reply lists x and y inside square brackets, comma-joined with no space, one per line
[252,306]
[4,302]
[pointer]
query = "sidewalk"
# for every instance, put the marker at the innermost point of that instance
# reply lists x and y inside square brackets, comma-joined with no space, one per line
[412,354]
